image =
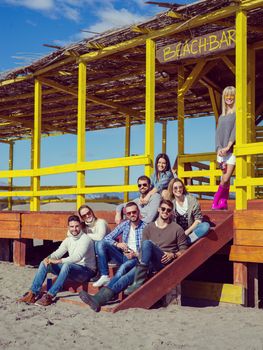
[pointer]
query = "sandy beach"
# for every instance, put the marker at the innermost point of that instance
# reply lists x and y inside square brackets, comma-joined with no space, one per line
[69,326]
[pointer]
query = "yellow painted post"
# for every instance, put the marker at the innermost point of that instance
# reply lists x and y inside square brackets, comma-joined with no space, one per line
[127,154]
[180,117]
[32,166]
[10,179]
[164,136]
[150,104]
[251,117]
[35,202]
[81,136]
[241,104]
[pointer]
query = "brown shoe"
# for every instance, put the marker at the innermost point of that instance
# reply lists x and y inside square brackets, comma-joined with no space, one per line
[29,298]
[46,300]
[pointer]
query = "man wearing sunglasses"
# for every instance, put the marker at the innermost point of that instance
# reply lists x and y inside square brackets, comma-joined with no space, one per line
[148,211]
[122,252]
[162,242]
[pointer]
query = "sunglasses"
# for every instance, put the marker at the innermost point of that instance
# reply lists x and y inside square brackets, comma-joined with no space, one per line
[87,214]
[143,185]
[132,212]
[229,97]
[164,209]
[177,187]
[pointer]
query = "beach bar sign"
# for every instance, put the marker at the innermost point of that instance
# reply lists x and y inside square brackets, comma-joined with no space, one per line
[215,42]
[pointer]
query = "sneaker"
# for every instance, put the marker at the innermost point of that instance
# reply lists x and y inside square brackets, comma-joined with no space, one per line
[95,278]
[104,279]
[29,298]
[46,300]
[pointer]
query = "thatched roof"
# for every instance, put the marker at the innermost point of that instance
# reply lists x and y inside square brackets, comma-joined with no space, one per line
[119,78]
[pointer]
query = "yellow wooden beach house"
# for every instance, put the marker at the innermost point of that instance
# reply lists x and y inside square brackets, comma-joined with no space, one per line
[172,67]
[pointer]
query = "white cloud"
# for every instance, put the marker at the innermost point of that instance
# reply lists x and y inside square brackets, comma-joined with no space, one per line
[42,5]
[111,18]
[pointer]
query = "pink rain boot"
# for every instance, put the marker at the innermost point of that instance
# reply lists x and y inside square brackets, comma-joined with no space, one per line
[222,204]
[217,197]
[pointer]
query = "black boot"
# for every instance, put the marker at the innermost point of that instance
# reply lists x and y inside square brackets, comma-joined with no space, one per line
[96,301]
[139,278]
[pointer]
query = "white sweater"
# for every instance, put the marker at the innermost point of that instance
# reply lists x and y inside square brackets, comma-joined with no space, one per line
[97,230]
[80,250]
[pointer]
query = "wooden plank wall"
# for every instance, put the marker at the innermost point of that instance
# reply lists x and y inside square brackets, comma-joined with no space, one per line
[10,223]
[23,227]
[247,253]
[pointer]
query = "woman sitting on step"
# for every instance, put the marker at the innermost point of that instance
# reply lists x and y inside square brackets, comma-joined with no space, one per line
[94,227]
[187,211]
[160,178]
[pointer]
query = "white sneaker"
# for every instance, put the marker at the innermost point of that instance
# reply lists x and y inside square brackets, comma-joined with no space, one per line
[104,279]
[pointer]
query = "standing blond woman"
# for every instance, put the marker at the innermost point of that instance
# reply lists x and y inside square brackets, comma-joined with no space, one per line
[225,140]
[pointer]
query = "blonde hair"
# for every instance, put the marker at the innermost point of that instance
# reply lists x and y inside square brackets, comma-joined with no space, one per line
[229,90]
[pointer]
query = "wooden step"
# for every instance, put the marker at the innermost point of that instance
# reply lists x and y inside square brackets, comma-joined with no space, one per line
[76,287]
[74,299]
[169,277]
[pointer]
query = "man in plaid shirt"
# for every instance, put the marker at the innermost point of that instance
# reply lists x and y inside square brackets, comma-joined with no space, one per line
[126,251]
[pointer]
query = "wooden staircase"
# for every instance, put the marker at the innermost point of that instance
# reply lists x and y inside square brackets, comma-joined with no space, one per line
[173,274]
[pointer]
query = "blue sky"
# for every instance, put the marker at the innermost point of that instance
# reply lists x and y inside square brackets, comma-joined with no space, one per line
[28,24]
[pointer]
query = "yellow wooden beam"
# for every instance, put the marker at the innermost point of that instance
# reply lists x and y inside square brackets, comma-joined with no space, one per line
[16,80]
[201,173]
[54,66]
[81,138]
[199,157]
[164,136]
[35,204]
[205,188]
[150,104]
[194,22]
[25,96]
[247,5]
[215,105]
[192,77]
[220,292]
[59,87]
[229,64]
[140,30]
[251,136]
[68,168]
[127,154]
[10,180]
[180,116]
[241,104]
[249,149]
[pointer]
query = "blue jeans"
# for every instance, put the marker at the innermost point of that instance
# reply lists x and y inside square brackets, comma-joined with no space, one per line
[124,276]
[151,255]
[64,271]
[200,231]
[107,252]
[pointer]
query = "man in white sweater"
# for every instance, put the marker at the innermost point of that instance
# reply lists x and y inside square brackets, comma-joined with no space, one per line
[79,265]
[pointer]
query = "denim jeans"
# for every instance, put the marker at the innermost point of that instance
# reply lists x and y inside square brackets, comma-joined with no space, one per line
[124,276]
[107,252]
[64,271]
[200,231]
[152,255]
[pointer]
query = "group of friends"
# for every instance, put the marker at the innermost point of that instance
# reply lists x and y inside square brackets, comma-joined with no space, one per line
[151,231]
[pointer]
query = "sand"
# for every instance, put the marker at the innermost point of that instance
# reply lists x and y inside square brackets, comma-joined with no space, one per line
[66,326]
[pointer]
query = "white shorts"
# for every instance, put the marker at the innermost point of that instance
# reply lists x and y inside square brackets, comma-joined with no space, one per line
[228,159]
